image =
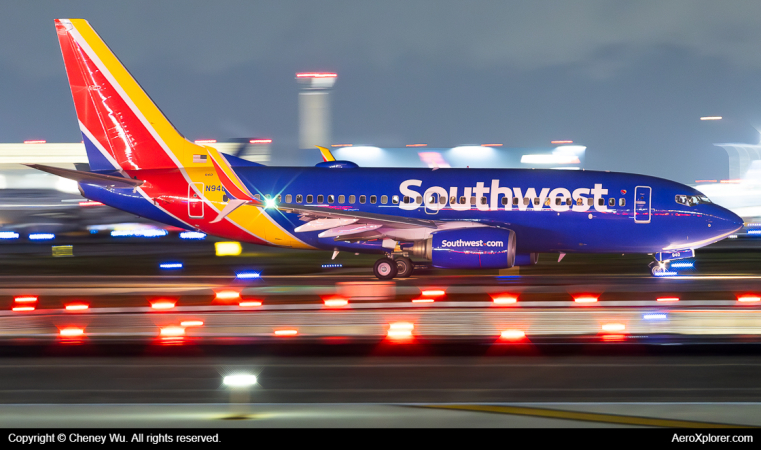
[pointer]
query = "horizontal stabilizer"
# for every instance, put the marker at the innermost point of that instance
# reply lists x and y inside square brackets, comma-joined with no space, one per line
[89,177]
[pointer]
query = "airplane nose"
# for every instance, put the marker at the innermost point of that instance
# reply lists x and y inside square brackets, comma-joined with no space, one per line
[732,220]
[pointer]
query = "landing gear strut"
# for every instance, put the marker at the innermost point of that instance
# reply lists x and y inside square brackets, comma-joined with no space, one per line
[659,267]
[385,269]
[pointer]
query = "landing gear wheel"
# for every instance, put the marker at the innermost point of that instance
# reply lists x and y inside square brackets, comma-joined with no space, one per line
[657,268]
[404,267]
[385,269]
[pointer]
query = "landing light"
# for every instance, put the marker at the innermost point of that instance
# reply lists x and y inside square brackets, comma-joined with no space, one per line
[270,203]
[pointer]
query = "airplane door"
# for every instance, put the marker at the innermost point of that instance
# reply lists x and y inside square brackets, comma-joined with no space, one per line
[642,204]
[195,203]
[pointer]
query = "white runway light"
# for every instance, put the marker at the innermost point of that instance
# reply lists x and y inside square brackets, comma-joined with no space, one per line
[239,380]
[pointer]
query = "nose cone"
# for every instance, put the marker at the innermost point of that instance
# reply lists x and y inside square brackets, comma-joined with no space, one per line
[729,222]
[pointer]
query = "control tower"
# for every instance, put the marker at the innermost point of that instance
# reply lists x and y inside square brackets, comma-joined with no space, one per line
[314,108]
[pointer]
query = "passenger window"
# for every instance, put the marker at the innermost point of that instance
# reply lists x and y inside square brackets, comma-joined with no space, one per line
[341,198]
[590,202]
[406,199]
[362,199]
[320,198]
[431,200]
[547,202]
[310,197]
[279,198]
[472,200]
[442,200]
[526,201]
[384,199]
[579,201]
[621,202]
[515,201]
[352,199]
[557,200]
[373,199]
[395,199]
[331,198]
[504,201]
[299,198]
[611,201]
[568,201]
[288,198]
[601,201]
[419,200]
[536,201]
[462,200]
[483,200]
[256,196]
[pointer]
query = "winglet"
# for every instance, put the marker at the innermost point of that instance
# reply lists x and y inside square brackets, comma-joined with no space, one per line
[326,155]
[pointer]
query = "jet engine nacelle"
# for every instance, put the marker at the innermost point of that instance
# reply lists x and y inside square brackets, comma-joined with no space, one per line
[469,248]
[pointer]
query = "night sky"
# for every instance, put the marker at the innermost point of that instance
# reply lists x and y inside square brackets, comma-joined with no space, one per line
[629,80]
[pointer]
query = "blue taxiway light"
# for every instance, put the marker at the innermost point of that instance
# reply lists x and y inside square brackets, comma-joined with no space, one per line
[667,273]
[192,235]
[248,275]
[8,235]
[655,316]
[41,236]
[147,233]
[683,265]
[173,265]
[330,266]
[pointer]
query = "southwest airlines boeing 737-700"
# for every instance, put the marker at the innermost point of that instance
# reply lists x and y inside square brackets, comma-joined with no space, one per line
[453,218]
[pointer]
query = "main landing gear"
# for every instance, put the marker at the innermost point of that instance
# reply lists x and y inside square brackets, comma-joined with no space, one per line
[387,268]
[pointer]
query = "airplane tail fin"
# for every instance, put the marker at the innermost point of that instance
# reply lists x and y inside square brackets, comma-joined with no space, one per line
[122,128]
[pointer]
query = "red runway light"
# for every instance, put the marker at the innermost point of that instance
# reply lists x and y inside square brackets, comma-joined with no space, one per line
[335,301]
[191,323]
[25,299]
[433,293]
[610,327]
[423,300]
[749,298]
[72,332]
[613,337]
[286,332]
[504,299]
[23,308]
[172,331]
[400,330]
[90,203]
[667,299]
[250,303]
[585,299]
[227,295]
[513,335]
[163,304]
[77,306]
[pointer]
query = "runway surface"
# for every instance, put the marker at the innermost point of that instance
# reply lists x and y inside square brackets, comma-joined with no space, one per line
[415,390]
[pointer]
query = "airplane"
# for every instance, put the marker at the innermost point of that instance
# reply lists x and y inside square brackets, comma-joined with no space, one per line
[452,218]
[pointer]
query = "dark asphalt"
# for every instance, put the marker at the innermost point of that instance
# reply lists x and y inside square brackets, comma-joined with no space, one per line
[665,377]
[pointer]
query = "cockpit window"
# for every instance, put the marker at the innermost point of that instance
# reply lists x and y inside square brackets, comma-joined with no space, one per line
[691,200]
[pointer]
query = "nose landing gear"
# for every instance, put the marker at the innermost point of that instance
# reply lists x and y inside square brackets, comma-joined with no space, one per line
[659,268]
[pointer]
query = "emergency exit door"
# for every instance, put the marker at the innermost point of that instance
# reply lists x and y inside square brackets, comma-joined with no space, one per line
[195,200]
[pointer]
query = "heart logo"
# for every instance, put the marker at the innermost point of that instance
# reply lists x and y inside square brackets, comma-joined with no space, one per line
[623,191]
